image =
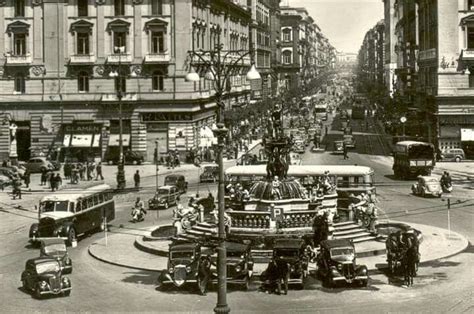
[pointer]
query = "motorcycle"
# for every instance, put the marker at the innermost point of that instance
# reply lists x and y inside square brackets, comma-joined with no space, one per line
[447,187]
[138,214]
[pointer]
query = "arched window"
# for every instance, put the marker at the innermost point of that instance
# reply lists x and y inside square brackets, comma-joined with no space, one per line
[19,83]
[287,56]
[82,9]
[83,82]
[157,81]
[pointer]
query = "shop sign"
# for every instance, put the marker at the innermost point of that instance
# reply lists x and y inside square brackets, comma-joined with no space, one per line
[456,120]
[166,116]
[467,135]
[82,128]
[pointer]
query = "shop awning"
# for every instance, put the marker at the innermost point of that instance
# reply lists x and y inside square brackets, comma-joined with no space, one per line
[81,140]
[467,135]
[114,139]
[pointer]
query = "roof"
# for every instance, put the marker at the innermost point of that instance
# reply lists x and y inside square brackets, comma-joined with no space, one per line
[166,187]
[174,176]
[429,177]
[183,246]
[236,247]
[209,165]
[336,243]
[52,241]
[288,244]
[75,194]
[409,143]
[39,260]
[303,170]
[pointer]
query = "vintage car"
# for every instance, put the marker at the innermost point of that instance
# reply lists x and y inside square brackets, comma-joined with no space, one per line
[453,154]
[177,180]
[42,276]
[299,148]
[239,264]
[112,156]
[337,263]
[184,265]
[349,141]
[292,252]
[427,185]
[209,173]
[338,147]
[164,197]
[38,164]
[56,248]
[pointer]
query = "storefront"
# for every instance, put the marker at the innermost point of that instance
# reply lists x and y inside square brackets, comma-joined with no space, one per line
[457,131]
[82,141]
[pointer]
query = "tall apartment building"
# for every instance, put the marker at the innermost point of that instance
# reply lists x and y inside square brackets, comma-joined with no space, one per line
[371,56]
[56,84]
[390,40]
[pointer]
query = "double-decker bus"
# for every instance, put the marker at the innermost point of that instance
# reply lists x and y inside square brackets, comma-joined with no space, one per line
[412,158]
[67,214]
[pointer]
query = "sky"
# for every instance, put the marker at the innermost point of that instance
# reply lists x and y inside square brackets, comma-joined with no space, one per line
[343,22]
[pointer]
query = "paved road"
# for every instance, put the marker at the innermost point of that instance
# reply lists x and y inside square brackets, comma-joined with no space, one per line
[441,286]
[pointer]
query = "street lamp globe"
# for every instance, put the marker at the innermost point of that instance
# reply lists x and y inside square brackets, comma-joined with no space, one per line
[192,76]
[253,74]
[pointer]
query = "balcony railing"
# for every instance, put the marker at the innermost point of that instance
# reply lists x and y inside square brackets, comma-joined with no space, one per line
[83,59]
[161,57]
[18,59]
[427,54]
[125,97]
[123,58]
[467,55]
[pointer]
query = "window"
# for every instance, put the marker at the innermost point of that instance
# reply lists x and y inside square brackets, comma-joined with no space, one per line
[157,42]
[82,7]
[286,33]
[157,81]
[471,80]
[121,84]
[120,40]
[470,5]
[82,43]
[83,82]
[20,83]
[119,7]
[156,7]
[287,57]
[470,38]
[19,8]
[19,40]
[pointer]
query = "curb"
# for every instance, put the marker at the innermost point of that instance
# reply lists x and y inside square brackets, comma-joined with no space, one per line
[139,244]
[116,263]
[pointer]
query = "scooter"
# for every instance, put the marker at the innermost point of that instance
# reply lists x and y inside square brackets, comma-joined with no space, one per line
[138,214]
[447,187]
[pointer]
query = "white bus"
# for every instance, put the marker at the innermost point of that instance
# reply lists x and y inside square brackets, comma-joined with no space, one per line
[67,214]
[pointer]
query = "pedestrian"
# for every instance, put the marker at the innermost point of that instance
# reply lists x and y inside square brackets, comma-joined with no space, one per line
[155,156]
[90,171]
[67,170]
[44,176]
[81,169]
[344,150]
[136,179]
[16,191]
[74,175]
[87,171]
[26,178]
[51,179]
[98,172]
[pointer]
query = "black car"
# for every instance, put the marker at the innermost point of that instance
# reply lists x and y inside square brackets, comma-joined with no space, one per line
[186,265]
[337,263]
[292,253]
[239,264]
[177,180]
[42,276]
[130,157]
[209,173]
[56,248]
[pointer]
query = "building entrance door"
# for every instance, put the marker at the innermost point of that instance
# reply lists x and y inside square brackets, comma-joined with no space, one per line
[23,139]
[156,132]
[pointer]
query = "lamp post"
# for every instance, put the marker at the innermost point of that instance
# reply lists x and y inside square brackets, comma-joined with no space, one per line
[118,81]
[220,65]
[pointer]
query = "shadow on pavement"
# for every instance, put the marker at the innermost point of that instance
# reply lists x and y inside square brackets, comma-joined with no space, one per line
[141,277]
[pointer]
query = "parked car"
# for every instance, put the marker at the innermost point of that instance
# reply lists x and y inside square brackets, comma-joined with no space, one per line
[349,141]
[42,276]
[184,264]
[56,248]
[239,264]
[37,164]
[427,185]
[299,148]
[292,252]
[19,170]
[130,157]
[337,263]
[453,154]
[338,147]
[165,196]
[177,180]
[9,173]
[209,173]
[4,181]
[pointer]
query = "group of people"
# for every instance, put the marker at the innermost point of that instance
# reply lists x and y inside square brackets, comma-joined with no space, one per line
[237,193]
[86,171]
[364,209]
[54,179]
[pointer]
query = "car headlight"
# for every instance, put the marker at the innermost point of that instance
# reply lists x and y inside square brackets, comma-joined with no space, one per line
[339,266]
[188,269]
[171,269]
[67,261]
[238,268]
[43,284]
[293,269]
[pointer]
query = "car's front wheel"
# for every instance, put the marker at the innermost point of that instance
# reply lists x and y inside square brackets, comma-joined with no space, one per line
[24,284]
[457,159]
[166,205]
[67,293]
[38,294]
[363,283]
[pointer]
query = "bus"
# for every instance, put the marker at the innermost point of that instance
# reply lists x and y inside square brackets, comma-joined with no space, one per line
[349,179]
[67,214]
[412,158]
[320,111]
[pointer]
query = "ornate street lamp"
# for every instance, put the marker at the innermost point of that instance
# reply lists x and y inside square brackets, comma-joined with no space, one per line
[220,65]
[116,75]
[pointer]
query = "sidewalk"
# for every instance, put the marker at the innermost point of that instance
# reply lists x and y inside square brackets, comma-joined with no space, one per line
[121,249]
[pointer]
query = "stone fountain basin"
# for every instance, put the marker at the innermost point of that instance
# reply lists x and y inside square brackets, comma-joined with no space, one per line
[385,228]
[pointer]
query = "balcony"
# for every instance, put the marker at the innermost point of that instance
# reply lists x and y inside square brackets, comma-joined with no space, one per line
[12,59]
[429,54]
[120,58]
[467,55]
[82,59]
[162,57]
[125,97]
